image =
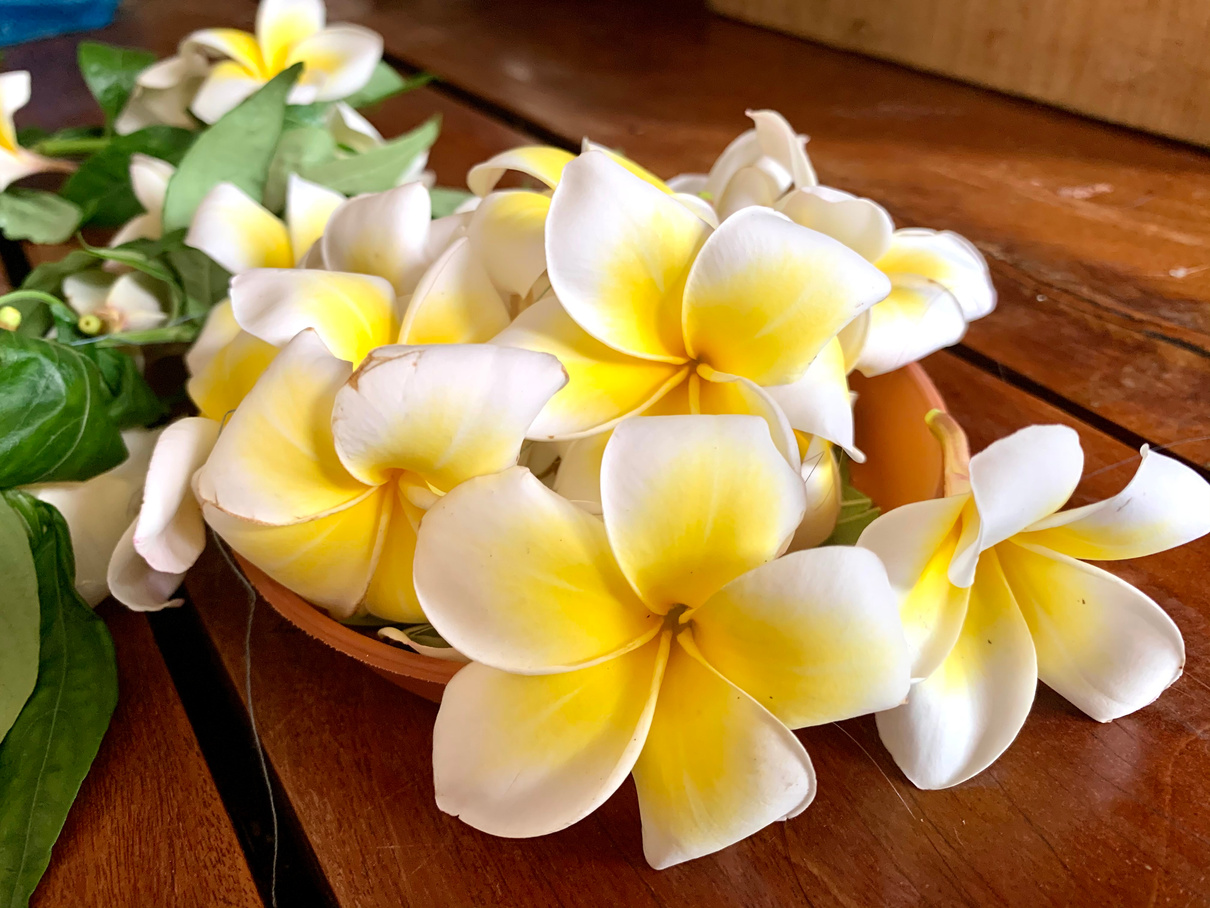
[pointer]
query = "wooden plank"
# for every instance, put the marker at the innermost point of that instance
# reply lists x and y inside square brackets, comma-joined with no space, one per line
[148,827]
[1099,239]
[1133,62]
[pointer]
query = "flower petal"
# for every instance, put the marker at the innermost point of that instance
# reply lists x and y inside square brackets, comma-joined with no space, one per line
[542,162]
[520,579]
[717,766]
[579,476]
[224,363]
[309,206]
[765,296]
[1166,504]
[275,461]
[87,291]
[455,302]
[1016,482]
[822,481]
[280,24]
[238,233]
[226,85]
[688,183]
[918,318]
[819,403]
[507,232]
[351,129]
[813,637]
[447,412]
[779,141]
[149,179]
[749,186]
[338,61]
[351,313]
[384,234]
[692,502]
[959,719]
[721,394]
[135,584]
[1101,643]
[169,533]
[134,302]
[238,46]
[327,560]
[861,224]
[603,385]
[916,544]
[740,152]
[15,90]
[521,756]
[947,259]
[618,251]
[391,594]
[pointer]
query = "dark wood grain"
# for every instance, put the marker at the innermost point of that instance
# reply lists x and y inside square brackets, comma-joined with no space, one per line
[148,828]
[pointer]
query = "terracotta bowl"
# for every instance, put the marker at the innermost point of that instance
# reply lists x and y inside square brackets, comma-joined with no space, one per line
[904,463]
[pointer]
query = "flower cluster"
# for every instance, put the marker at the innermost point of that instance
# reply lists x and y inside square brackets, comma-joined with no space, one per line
[592,429]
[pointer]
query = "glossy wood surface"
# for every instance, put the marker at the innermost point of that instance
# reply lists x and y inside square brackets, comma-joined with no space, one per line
[1075,813]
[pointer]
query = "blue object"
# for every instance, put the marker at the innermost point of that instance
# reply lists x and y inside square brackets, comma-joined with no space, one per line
[25,20]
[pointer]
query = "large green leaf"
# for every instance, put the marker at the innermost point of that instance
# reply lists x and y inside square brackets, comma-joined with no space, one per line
[110,73]
[55,739]
[18,618]
[37,216]
[237,149]
[203,282]
[55,422]
[131,401]
[378,169]
[101,187]
[446,200]
[298,150]
[386,82]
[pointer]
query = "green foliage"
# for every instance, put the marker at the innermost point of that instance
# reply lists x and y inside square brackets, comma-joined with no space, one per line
[41,217]
[385,83]
[101,187]
[18,619]
[378,169]
[237,149]
[55,423]
[857,511]
[446,200]
[299,149]
[110,74]
[49,749]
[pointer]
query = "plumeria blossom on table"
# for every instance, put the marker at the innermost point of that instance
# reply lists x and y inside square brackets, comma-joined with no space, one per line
[995,594]
[665,639]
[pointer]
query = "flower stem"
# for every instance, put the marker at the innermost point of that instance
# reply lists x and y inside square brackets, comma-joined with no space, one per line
[53,147]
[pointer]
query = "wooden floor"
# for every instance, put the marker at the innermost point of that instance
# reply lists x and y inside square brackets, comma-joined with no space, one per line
[1099,242]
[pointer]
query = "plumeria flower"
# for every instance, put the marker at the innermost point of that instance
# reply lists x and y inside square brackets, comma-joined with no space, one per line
[758,168]
[110,303]
[666,640]
[15,161]
[322,474]
[149,179]
[384,288]
[651,304]
[168,534]
[994,594]
[337,60]
[98,509]
[939,280]
[163,92]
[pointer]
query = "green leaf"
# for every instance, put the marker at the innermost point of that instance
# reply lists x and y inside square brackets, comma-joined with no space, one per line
[857,511]
[54,414]
[48,277]
[378,169]
[298,150]
[141,255]
[132,402]
[110,73]
[41,217]
[316,114]
[446,200]
[101,187]
[55,739]
[237,149]
[203,281]
[386,82]
[18,619]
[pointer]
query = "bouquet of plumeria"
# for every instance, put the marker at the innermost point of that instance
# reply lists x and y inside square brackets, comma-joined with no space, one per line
[590,436]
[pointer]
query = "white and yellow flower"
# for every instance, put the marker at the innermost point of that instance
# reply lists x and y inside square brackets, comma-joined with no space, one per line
[168,534]
[149,179]
[666,640]
[109,303]
[97,510]
[337,60]
[163,92]
[17,162]
[994,594]
[652,304]
[322,474]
